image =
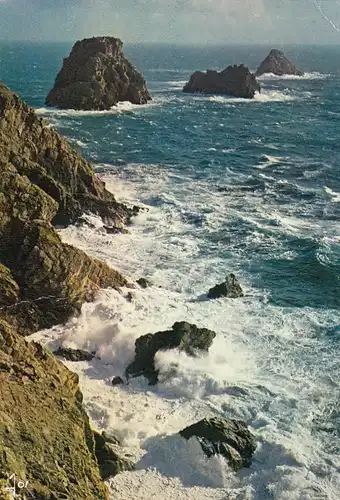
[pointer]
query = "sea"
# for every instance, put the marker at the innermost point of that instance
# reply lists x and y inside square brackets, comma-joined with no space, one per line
[250,187]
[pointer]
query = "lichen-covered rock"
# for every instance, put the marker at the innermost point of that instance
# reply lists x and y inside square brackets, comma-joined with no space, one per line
[45,436]
[183,336]
[9,289]
[54,278]
[277,63]
[73,354]
[96,75]
[223,436]
[229,288]
[39,154]
[236,81]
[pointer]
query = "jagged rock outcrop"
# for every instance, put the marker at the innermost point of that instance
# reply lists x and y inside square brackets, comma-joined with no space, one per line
[229,288]
[29,147]
[224,436]
[182,336]
[110,458]
[45,435]
[236,81]
[74,354]
[278,64]
[96,76]
[43,181]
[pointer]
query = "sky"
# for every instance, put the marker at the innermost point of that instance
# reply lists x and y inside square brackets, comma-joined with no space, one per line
[174,21]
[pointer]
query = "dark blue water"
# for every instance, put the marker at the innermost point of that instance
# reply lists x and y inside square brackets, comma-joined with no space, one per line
[254,186]
[296,122]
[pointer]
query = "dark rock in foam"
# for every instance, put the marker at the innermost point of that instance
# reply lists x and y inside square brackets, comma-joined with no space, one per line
[229,288]
[182,336]
[226,437]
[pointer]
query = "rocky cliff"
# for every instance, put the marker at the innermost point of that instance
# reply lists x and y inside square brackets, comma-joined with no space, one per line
[44,181]
[45,435]
[97,75]
[278,64]
[237,81]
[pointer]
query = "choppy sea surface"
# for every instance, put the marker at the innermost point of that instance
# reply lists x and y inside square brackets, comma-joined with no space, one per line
[244,186]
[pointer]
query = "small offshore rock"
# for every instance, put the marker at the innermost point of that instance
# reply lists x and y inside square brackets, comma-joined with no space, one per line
[74,354]
[143,283]
[223,436]
[236,81]
[117,381]
[278,64]
[229,288]
[115,230]
[183,336]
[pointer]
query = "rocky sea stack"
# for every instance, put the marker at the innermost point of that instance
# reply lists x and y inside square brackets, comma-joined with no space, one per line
[278,64]
[96,76]
[236,81]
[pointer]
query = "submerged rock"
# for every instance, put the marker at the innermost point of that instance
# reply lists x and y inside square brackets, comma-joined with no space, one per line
[223,436]
[96,75]
[46,438]
[117,380]
[143,283]
[237,81]
[278,64]
[229,288]
[74,354]
[183,336]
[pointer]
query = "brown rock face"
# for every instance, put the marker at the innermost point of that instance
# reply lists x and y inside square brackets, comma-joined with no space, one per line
[96,76]
[278,64]
[46,438]
[43,180]
[234,80]
[45,158]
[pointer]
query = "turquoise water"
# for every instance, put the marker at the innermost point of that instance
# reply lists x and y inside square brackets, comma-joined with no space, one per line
[254,186]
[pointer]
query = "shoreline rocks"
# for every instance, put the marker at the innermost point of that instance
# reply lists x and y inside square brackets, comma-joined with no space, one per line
[229,288]
[236,81]
[223,436]
[278,64]
[182,336]
[96,76]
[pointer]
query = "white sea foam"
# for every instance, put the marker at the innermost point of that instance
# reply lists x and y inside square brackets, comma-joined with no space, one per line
[121,107]
[263,97]
[259,368]
[268,161]
[335,197]
[307,76]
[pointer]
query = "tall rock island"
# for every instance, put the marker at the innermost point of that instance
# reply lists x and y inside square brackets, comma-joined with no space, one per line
[278,64]
[236,81]
[96,76]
